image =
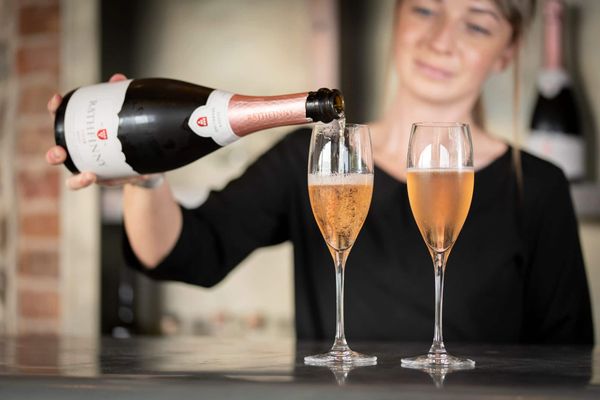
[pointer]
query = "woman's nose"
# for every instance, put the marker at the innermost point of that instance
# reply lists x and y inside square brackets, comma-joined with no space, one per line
[442,37]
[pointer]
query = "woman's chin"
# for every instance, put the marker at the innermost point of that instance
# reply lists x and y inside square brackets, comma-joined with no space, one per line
[434,93]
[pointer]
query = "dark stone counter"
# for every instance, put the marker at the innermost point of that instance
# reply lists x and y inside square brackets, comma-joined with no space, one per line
[215,368]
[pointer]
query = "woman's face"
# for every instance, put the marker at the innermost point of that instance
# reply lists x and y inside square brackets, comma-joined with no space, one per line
[445,49]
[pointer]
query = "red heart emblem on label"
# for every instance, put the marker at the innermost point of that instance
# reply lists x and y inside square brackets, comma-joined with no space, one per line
[102,134]
[202,121]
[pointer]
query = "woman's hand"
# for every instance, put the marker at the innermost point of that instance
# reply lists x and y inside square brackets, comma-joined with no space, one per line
[57,155]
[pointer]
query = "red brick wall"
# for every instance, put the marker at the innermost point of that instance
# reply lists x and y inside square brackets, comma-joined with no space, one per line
[36,60]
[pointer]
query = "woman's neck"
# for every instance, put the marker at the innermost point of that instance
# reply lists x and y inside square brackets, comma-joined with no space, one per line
[408,109]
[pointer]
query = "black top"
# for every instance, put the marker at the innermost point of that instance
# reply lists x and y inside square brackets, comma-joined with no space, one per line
[516,273]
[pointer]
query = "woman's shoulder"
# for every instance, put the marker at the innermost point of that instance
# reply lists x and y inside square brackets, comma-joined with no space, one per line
[541,172]
[543,181]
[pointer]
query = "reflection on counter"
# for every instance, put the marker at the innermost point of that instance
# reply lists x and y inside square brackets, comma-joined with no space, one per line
[438,374]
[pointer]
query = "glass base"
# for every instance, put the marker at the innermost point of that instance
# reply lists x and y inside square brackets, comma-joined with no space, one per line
[347,357]
[438,360]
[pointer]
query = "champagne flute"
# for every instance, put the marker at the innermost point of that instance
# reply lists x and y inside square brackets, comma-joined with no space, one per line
[340,186]
[440,180]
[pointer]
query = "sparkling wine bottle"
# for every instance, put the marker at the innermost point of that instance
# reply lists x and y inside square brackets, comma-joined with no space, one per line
[556,133]
[143,126]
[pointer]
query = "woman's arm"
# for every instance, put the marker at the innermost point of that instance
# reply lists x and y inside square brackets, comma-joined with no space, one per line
[207,242]
[152,220]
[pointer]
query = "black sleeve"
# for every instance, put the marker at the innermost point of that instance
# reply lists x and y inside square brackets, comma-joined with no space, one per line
[250,212]
[557,302]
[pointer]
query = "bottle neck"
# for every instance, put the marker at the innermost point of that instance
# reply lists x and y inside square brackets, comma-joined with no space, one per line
[553,27]
[325,105]
[249,114]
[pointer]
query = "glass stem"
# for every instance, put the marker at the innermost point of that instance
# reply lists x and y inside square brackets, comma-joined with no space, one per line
[340,338]
[439,261]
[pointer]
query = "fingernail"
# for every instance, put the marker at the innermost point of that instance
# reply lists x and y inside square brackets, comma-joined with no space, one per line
[56,153]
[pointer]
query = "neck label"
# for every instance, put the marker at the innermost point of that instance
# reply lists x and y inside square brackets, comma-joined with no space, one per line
[211,120]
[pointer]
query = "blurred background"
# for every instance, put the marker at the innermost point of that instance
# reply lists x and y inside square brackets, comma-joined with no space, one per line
[61,270]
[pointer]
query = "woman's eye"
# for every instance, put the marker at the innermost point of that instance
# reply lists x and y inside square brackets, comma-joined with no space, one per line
[478,29]
[423,11]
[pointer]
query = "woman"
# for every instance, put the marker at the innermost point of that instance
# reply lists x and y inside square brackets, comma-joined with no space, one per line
[516,274]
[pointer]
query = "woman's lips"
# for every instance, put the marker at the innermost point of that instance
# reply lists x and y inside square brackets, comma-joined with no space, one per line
[433,72]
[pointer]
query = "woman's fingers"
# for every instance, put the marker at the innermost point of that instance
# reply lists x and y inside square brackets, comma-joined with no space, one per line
[82,180]
[86,179]
[53,103]
[56,155]
[117,78]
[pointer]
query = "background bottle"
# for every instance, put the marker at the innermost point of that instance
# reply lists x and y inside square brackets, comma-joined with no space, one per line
[151,125]
[556,132]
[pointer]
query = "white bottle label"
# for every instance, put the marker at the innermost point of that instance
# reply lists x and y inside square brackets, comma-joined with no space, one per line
[211,120]
[91,127]
[566,151]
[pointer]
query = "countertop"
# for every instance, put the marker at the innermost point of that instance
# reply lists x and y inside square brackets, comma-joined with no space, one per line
[260,368]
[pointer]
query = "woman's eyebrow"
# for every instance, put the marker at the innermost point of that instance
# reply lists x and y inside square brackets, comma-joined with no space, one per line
[485,11]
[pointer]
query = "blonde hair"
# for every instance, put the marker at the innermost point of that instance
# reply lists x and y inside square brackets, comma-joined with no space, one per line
[519,14]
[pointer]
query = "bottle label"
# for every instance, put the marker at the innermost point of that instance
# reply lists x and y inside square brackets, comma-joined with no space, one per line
[566,151]
[91,127]
[211,120]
